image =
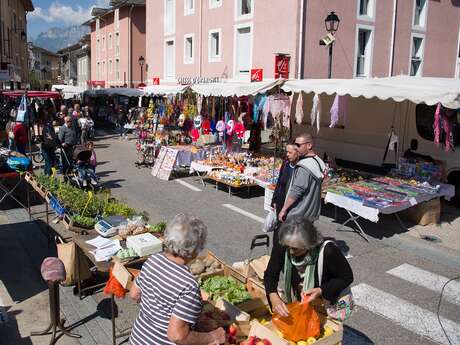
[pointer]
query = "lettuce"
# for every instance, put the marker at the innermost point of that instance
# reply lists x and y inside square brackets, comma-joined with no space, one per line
[226,288]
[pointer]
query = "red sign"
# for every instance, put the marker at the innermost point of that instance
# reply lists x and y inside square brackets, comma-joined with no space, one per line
[156,81]
[96,83]
[282,66]
[141,86]
[257,74]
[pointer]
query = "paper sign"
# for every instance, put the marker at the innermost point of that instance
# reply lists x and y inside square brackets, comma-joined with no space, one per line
[164,164]
[413,201]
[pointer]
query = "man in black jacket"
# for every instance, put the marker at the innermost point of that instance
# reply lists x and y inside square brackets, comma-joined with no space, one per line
[68,138]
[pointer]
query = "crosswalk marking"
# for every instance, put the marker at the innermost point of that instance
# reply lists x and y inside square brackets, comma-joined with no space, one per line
[405,314]
[428,280]
[188,185]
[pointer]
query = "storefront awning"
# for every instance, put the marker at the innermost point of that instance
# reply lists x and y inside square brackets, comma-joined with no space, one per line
[115,92]
[415,89]
[68,91]
[235,89]
[165,89]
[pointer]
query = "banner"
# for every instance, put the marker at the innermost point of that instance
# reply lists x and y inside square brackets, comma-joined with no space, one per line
[282,66]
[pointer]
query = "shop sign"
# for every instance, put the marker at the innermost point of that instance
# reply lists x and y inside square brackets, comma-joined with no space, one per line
[198,80]
[257,74]
[156,81]
[282,66]
[96,83]
[4,75]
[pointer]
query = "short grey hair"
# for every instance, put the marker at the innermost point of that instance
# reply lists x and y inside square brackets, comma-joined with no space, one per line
[185,236]
[307,137]
[301,232]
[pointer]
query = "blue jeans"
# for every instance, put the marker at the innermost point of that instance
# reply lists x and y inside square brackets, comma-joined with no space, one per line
[49,156]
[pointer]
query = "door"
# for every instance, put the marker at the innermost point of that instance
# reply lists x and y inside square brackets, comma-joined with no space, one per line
[243,51]
[169,60]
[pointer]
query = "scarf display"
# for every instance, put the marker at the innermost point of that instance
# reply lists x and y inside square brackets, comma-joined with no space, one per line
[309,262]
[443,123]
[338,110]
[315,115]
[299,109]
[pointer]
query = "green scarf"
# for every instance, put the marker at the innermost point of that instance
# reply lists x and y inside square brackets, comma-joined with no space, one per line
[309,261]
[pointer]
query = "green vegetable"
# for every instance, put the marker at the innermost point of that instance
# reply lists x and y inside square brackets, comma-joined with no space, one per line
[84,221]
[227,288]
[158,228]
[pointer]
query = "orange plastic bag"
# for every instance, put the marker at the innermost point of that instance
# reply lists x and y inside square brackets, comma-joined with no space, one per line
[302,323]
[113,287]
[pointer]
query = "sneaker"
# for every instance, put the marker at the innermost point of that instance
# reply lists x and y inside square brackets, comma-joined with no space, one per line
[93,183]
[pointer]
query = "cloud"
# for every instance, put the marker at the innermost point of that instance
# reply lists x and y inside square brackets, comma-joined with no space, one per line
[58,12]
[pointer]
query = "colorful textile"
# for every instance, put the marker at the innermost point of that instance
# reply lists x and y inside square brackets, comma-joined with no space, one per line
[338,110]
[299,109]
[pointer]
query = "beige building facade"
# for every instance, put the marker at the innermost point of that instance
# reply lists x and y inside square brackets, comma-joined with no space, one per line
[13,43]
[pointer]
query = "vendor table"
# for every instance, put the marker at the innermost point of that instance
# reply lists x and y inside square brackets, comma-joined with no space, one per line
[102,266]
[232,185]
[202,170]
[188,153]
[356,209]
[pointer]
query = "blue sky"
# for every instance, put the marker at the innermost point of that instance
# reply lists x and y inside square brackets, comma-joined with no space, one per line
[59,13]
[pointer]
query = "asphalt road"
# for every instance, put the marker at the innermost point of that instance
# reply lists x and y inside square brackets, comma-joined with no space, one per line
[397,281]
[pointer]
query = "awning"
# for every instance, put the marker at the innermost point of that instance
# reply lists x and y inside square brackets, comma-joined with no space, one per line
[68,91]
[114,91]
[415,89]
[165,89]
[235,89]
[32,94]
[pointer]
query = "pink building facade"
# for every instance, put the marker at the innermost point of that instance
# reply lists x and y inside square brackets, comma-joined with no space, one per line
[117,43]
[227,38]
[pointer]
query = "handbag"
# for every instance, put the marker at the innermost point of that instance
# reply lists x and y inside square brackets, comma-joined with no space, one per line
[343,307]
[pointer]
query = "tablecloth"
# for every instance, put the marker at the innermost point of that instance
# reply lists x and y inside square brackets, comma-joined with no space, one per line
[372,214]
[188,154]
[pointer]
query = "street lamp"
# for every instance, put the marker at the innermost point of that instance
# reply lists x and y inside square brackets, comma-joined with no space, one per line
[331,22]
[141,63]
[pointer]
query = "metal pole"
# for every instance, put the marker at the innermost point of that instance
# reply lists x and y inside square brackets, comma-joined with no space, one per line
[142,74]
[329,73]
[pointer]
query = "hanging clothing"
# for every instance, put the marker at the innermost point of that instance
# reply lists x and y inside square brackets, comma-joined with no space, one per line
[259,103]
[299,109]
[443,123]
[280,108]
[338,110]
[199,103]
[315,115]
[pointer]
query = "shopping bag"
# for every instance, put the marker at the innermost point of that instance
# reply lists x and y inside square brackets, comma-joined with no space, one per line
[302,323]
[22,110]
[67,254]
[270,222]
[18,163]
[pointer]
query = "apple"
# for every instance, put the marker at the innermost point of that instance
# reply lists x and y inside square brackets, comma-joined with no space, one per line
[266,342]
[232,330]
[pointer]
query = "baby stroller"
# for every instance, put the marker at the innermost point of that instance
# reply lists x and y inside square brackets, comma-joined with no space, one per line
[82,174]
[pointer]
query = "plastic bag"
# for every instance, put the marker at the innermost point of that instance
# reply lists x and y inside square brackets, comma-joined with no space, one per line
[302,323]
[270,222]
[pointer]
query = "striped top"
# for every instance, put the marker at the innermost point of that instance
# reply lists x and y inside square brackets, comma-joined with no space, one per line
[166,288]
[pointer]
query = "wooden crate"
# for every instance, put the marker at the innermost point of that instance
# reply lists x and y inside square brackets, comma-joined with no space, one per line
[425,213]
[268,332]
[212,256]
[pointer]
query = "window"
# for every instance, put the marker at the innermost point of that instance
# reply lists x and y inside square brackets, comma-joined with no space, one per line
[103,43]
[169,59]
[366,9]
[420,9]
[215,45]
[98,71]
[103,69]
[170,17]
[244,8]
[98,24]
[424,118]
[189,7]
[117,69]
[97,49]
[363,51]
[188,48]
[117,44]
[110,67]
[215,3]
[117,18]
[110,41]
[416,61]
[243,50]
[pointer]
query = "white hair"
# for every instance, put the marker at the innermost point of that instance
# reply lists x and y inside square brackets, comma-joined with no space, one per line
[185,236]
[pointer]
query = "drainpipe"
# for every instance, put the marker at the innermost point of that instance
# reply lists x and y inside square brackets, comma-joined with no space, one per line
[393,36]
[130,48]
[300,62]
[200,34]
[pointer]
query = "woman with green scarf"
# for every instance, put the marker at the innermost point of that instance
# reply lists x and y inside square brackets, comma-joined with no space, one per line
[297,257]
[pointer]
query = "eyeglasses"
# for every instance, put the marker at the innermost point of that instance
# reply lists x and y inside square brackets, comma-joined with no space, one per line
[300,144]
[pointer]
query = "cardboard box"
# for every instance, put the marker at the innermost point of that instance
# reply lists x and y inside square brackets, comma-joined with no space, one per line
[425,213]
[268,332]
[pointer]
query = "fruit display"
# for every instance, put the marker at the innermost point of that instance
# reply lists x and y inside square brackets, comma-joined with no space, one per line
[208,266]
[253,340]
[231,177]
[227,288]
[211,318]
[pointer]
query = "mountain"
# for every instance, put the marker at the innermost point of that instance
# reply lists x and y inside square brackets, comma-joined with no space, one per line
[57,38]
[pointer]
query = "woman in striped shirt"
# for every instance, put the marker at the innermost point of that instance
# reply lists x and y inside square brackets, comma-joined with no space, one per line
[169,295]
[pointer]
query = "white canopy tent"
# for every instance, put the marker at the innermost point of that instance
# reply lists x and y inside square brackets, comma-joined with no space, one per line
[415,89]
[165,89]
[236,89]
[68,91]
